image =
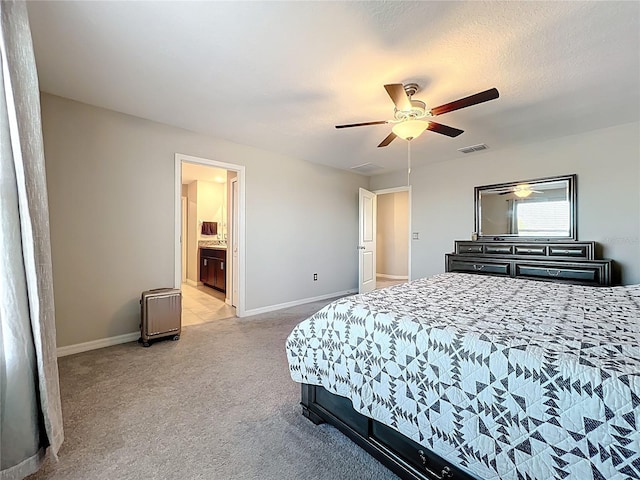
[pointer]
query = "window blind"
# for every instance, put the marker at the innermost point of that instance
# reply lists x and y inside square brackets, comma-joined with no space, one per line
[544,219]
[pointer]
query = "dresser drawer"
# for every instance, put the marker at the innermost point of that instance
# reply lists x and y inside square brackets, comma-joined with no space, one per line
[414,454]
[578,251]
[583,274]
[469,248]
[499,249]
[530,250]
[458,264]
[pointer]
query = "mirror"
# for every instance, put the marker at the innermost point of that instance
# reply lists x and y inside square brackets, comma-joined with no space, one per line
[544,208]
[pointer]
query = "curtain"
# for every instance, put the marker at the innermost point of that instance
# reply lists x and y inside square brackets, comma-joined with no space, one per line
[30,412]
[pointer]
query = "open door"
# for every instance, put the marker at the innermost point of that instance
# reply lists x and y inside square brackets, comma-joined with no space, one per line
[183,239]
[234,241]
[367,237]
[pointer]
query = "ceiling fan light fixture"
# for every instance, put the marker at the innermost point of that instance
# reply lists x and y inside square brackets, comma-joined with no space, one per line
[410,129]
[522,191]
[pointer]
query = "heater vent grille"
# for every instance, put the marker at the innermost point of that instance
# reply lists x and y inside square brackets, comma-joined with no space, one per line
[473,148]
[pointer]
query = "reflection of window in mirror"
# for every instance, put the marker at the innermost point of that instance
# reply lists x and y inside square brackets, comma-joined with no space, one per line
[541,219]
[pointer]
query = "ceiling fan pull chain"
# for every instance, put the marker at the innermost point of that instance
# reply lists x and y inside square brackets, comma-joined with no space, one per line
[408,163]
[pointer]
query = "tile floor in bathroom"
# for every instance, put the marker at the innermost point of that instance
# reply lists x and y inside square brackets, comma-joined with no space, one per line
[203,304]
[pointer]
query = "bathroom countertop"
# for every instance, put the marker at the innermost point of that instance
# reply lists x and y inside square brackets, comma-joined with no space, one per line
[212,244]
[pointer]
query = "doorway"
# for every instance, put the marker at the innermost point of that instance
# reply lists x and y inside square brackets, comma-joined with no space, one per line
[384,250]
[209,242]
[393,257]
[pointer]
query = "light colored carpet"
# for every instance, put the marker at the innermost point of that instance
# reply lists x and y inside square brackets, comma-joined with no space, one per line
[217,404]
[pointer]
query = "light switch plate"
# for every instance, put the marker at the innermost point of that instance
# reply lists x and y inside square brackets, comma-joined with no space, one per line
[416,235]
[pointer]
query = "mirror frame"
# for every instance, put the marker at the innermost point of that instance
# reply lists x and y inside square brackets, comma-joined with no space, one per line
[573,201]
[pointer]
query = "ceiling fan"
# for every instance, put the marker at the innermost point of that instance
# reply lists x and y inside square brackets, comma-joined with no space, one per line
[522,191]
[411,117]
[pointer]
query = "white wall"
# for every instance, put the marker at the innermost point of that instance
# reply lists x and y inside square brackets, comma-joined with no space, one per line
[606,161]
[111,195]
[392,238]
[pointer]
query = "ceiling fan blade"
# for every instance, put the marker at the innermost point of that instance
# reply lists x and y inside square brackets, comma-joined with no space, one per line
[511,190]
[444,129]
[361,124]
[388,140]
[399,96]
[485,96]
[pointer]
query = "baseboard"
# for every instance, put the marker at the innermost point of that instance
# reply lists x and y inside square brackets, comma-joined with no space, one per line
[132,337]
[95,344]
[280,306]
[193,283]
[392,277]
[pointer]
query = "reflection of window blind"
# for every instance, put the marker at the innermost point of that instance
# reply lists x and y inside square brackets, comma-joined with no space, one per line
[543,218]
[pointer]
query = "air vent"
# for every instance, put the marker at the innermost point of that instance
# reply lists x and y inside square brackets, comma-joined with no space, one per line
[473,148]
[367,168]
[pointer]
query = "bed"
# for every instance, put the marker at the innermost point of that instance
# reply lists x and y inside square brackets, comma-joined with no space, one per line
[480,377]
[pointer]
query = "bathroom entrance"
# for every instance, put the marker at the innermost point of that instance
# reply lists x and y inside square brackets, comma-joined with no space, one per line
[209,239]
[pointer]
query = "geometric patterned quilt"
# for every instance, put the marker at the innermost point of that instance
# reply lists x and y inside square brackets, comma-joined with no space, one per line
[507,378]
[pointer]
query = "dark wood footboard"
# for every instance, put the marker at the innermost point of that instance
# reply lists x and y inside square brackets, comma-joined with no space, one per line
[400,454]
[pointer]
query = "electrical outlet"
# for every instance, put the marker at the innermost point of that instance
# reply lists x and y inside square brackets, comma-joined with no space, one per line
[315,277]
[416,236]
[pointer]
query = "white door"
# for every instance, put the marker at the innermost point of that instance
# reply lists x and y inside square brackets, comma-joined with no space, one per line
[234,241]
[367,238]
[183,239]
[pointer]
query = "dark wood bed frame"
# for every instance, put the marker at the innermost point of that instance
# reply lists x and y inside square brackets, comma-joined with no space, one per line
[566,262]
[400,454]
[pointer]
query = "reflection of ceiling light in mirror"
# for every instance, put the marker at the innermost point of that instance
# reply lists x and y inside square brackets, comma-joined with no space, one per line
[522,191]
[410,129]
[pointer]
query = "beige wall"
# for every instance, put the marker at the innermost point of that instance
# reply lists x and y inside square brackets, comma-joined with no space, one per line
[204,204]
[192,232]
[392,240]
[111,186]
[606,161]
[211,206]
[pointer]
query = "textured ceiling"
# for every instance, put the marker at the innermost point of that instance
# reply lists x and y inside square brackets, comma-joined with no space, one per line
[280,75]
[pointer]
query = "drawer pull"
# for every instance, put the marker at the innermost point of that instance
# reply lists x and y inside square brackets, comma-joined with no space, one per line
[445,473]
[478,267]
[553,273]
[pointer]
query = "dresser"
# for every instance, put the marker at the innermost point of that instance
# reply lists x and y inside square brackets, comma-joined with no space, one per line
[568,262]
